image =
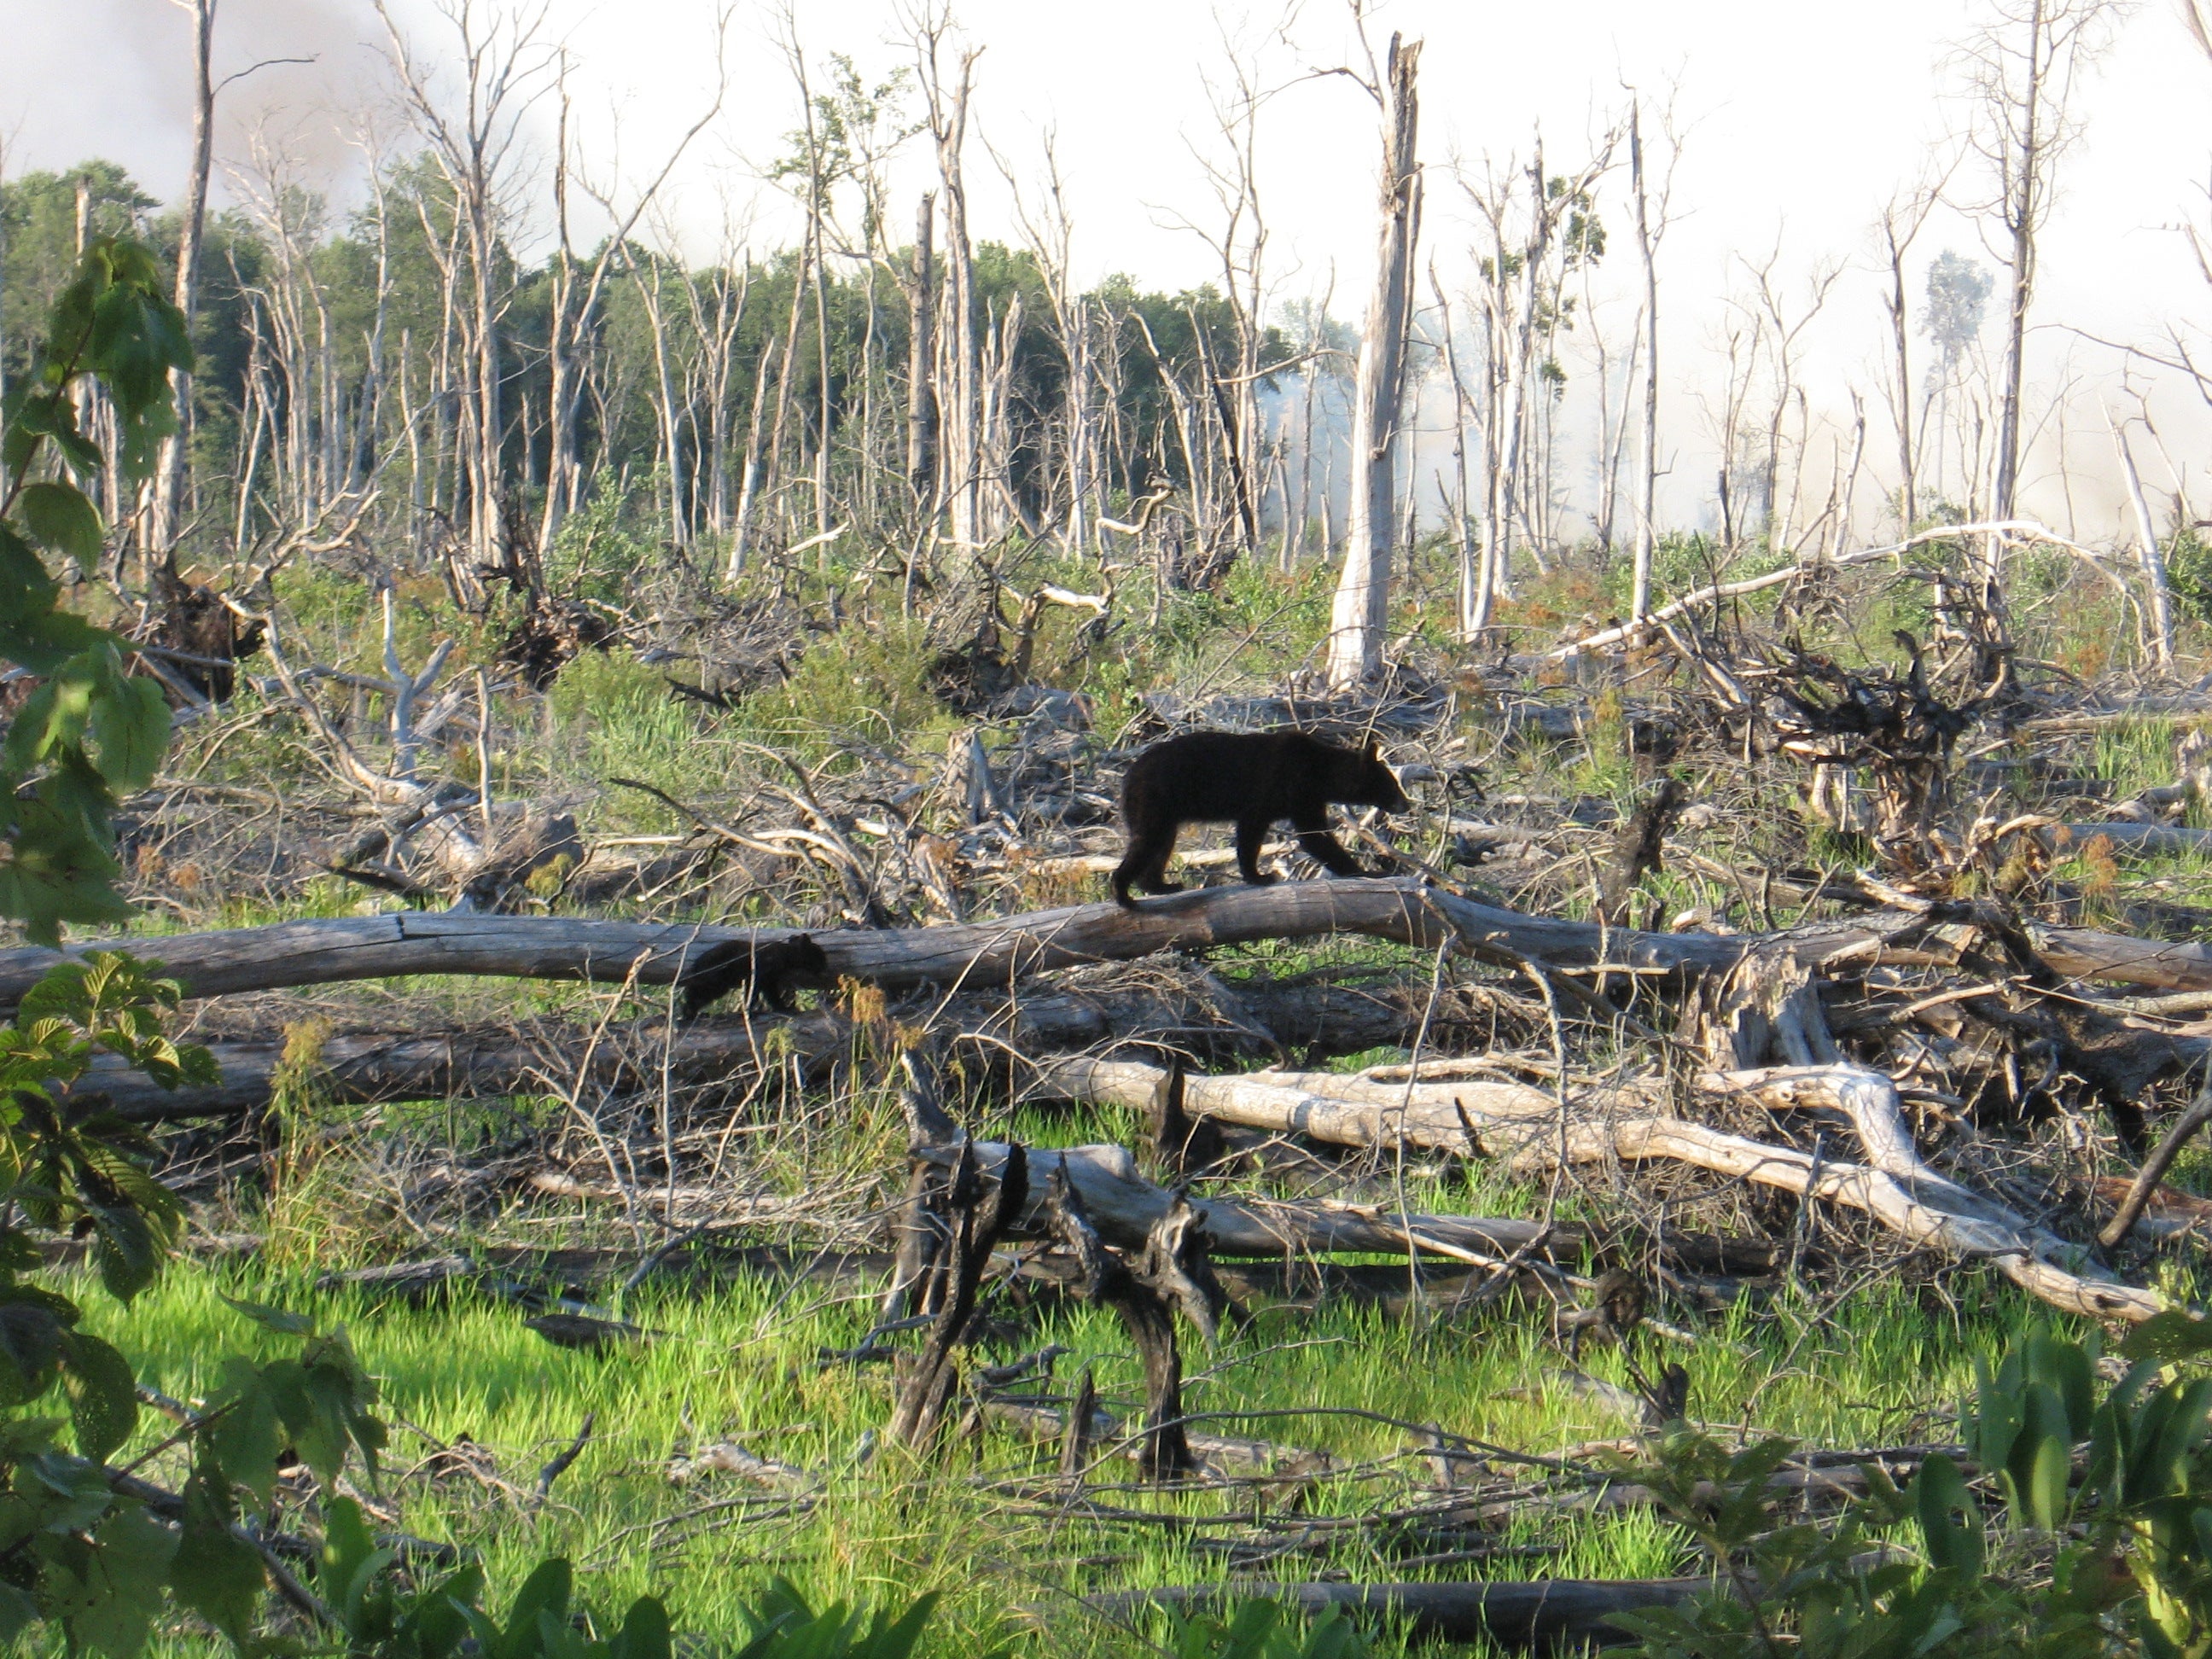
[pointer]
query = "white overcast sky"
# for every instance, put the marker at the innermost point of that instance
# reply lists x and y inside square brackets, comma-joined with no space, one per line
[1801,118]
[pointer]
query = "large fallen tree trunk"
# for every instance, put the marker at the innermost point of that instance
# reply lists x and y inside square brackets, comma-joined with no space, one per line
[975,954]
[371,1067]
[1552,1614]
[1526,1126]
[1125,1207]
[375,1068]
[994,953]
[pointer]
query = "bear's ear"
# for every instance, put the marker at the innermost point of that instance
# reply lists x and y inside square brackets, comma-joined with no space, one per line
[1370,750]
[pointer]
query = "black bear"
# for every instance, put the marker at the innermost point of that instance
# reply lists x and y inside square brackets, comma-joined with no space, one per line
[760,965]
[1250,779]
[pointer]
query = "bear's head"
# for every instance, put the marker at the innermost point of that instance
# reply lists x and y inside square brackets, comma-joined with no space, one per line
[1365,780]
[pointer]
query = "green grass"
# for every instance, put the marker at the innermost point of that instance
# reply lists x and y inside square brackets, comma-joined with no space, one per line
[740,1361]
[1861,1361]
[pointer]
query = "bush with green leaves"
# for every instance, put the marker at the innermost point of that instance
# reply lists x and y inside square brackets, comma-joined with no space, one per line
[1265,1630]
[88,730]
[2088,1529]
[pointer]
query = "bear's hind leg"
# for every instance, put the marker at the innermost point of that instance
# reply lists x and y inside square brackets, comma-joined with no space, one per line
[1145,864]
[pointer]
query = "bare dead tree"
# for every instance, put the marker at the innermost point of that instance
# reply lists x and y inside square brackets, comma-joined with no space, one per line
[2020,69]
[1651,204]
[717,304]
[921,360]
[1529,215]
[2146,546]
[1360,614]
[507,64]
[1239,241]
[1048,228]
[1785,329]
[947,77]
[1901,222]
[169,474]
[576,297]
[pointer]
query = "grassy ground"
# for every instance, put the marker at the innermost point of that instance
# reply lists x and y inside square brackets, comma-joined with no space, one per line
[743,1364]
[482,1403]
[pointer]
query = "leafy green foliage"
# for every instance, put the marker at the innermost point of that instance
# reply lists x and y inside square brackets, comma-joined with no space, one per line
[90,732]
[2101,1540]
[1264,1630]
[785,1627]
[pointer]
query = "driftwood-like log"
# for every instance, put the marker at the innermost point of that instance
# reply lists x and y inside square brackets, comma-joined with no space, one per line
[973,954]
[1523,1124]
[987,1033]
[1125,1208]
[1561,1614]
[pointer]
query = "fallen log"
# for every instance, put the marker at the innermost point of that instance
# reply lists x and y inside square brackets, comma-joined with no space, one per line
[972,954]
[1525,1126]
[375,1068]
[996,952]
[2159,964]
[2142,839]
[1551,1614]
[1125,1207]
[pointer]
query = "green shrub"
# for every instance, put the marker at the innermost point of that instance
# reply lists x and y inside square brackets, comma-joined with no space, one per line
[2087,1531]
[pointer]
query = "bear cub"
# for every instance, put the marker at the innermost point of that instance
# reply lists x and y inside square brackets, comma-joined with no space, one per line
[760,966]
[1252,779]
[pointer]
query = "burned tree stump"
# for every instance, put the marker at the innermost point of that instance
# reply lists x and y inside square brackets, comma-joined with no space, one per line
[1183,1145]
[1637,850]
[973,1225]
[1171,1272]
[202,635]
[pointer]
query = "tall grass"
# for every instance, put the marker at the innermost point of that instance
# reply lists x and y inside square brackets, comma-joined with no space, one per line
[743,1362]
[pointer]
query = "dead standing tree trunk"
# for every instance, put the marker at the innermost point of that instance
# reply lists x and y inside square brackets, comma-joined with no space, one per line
[922,362]
[959,399]
[2147,545]
[1171,1273]
[1650,226]
[505,64]
[1898,227]
[965,1228]
[1361,612]
[2021,69]
[169,475]
[573,313]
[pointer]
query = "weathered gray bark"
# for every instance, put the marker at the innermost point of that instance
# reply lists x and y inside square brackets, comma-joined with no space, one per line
[921,361]
[986,952]
[1647,487]
[959,399]
[987,1033]
[2146,547]
[169,475]
[1899,226]
[994,952]
[1125,1208]
[2022,68]
[1525,1126]
[1360,614]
